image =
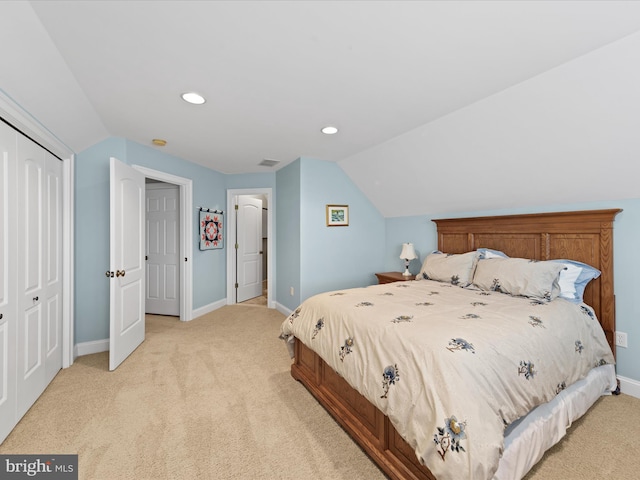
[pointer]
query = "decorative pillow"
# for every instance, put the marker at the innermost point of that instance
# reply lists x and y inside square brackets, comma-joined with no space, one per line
[456,269]
[574,277]
[488,253]
[519,276]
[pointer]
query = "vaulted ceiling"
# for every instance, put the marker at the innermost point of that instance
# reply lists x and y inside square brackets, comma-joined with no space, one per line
[275,72]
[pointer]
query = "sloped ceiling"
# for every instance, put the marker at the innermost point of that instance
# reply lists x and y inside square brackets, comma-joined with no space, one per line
[274,73]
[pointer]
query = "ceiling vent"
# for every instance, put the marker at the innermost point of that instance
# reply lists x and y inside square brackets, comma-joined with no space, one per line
[268,163]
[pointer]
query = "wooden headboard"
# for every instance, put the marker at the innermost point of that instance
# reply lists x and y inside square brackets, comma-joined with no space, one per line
[585,236]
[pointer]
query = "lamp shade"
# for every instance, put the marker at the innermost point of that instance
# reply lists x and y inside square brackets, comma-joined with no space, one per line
[408,252]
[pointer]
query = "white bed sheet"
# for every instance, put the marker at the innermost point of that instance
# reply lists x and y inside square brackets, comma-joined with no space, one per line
[528,438]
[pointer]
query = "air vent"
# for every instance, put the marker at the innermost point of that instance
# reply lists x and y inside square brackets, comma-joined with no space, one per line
[268,163]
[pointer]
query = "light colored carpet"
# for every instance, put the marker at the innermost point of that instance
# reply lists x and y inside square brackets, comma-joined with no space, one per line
[213,399]
[261,300]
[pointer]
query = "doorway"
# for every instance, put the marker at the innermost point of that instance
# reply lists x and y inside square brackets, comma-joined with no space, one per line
[265,241]
[248,245]
[162,249]
[127,246]
[185,227]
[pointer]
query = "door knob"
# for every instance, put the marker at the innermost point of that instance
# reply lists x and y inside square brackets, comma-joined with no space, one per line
[120,273]
[109,274]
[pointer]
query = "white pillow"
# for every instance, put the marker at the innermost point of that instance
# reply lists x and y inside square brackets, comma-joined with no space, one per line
[574,279]
[567,280]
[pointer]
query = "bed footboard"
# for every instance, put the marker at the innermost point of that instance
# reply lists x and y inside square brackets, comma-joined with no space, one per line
[364,422]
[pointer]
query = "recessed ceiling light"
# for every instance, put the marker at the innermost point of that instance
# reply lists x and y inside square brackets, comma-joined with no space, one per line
[159,142]
[329,130]
[193,97]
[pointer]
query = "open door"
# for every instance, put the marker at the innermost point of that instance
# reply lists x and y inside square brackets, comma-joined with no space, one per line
[127,262]
[249,248]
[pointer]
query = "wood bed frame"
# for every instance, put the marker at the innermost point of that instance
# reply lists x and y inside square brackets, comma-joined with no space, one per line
[585,236]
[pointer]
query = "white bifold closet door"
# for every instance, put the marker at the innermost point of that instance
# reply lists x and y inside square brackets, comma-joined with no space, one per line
[8,275]
[31,350]
[39,271]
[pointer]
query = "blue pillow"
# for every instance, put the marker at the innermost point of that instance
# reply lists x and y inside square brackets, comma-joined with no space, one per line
[488,253]
[574,278]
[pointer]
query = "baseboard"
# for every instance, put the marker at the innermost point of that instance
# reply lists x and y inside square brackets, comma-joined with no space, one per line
[87,348]
[282,309]
[629,386]
[97,346]
[198,312]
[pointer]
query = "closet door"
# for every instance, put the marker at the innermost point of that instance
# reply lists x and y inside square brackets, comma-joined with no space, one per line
[52,338]
[8,267]
[32,258]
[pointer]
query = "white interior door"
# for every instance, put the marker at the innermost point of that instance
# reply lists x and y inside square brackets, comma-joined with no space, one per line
[52,342]
[126,314]
[31,253]
[163,249]
[8,284]
[249,251]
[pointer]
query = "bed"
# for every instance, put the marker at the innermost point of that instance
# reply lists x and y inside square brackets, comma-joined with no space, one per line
[404,449]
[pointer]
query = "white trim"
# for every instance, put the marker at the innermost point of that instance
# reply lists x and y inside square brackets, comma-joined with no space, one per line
[283,310]
[68,222]
[231,258]
[186,244]
[198,312]
[28,125]
[88,348]
[628,386]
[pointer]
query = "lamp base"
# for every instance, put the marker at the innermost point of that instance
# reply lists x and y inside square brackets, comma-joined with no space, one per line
[407,273]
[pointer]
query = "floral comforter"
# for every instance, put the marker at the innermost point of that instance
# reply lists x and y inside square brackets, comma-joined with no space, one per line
[451,367]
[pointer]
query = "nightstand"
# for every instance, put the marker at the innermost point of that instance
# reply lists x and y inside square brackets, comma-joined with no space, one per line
[390,277]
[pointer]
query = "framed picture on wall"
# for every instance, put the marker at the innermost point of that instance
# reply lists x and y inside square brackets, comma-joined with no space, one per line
[337,215]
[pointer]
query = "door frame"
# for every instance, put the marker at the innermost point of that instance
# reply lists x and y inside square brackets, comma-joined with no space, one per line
[19,118]
[231,257]
[186,227]
[243,291]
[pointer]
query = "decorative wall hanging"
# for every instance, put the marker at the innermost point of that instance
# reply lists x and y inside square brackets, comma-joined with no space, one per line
[211,229]
[337,215]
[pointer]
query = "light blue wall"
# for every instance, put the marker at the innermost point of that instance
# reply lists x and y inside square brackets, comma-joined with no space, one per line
[420,231]
[287,235]
[92,227]
[336,257]
[626,239]
[91,242]
[251,180]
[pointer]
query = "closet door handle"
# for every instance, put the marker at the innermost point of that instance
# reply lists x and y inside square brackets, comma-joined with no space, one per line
[35,299]
[1,315]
